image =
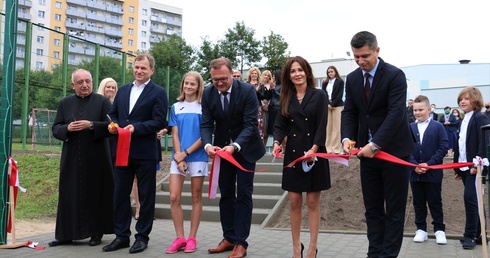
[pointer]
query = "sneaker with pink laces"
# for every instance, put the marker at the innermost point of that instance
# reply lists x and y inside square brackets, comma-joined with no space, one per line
[191,245]
[178,244]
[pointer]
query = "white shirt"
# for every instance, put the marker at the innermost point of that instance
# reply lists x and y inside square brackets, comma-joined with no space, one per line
[329,88]
[135,94]
[463,131]
[422,126]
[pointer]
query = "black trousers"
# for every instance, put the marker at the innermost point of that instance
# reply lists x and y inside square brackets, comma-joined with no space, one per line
[385,192]
[145,172]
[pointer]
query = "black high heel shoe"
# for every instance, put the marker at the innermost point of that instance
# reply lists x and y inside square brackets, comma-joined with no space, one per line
[302,249]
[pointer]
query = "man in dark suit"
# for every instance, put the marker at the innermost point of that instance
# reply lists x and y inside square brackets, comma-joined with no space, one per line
[433,115]
[140,107]
[375,117]
[229,111]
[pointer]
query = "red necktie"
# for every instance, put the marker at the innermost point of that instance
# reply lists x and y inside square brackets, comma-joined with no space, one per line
[367,86]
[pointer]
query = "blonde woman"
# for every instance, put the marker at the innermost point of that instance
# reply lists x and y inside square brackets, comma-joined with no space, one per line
[254,79]
[189,158]
[268,86]
[108,88]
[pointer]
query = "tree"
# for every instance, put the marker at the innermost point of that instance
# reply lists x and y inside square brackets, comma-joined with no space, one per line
[240,46]
[174,54]
[274,49]
[108,67]
[207,52]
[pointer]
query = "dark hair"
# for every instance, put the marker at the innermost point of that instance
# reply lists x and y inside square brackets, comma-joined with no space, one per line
[288,88]
[364,38]
[277,76]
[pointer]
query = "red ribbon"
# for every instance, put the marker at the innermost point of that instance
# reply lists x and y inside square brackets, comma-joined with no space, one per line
[382,156]
[215,170]
[123,142]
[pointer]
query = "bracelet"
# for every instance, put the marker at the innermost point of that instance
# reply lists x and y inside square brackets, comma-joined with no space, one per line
[277,142]
[313,150]
[186,153]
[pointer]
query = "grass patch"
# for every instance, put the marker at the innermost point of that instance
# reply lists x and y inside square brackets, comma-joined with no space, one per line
[39,174]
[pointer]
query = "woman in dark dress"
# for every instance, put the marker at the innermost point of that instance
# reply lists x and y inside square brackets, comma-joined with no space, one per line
[302,118]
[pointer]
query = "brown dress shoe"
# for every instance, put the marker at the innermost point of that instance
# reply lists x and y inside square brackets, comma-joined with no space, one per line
[238,252]
[223,246]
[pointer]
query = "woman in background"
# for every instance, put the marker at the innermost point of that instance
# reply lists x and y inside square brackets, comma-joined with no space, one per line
[334,86]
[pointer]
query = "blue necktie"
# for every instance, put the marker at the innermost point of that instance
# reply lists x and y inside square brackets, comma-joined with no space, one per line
[225,101]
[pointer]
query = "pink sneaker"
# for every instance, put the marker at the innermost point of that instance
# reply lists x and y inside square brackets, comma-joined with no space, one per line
[191,245]
[178,244]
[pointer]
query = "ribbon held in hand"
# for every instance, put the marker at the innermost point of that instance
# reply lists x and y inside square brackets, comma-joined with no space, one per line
[123,143]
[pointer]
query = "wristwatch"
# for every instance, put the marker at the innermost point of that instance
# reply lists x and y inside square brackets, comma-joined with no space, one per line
[235,147]
[373,148]
[91,126]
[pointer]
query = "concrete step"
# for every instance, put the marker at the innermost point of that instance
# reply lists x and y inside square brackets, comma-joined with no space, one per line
[259,188]
[209,213]
[259,201]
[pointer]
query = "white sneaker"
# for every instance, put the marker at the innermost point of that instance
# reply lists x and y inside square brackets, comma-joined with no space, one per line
[440,237]
[420,236]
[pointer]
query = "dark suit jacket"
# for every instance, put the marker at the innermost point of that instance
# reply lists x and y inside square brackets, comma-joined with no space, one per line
[337,93]
[454,124]
[384,115]
[238,124]
[474,140]
[149,115]
[431,151]
[435,116]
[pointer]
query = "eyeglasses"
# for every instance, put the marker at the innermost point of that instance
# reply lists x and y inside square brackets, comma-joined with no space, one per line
[222,80]
[237,76]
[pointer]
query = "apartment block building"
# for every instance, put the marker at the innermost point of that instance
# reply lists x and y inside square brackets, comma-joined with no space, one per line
[115,25]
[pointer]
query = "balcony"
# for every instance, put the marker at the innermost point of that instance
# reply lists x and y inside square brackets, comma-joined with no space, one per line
[25,16]
[26,3]
[73,62]
[75,25]
[96,5]
[21,27]
[95,17]
[158,19]
[77,50]
[90,52]
[110,43]
[154,29]
[70,12]
[77,2]
[116,33]
[21,40]
[174,22]
[155,39]
[115,9]
[98,29]
[114,21]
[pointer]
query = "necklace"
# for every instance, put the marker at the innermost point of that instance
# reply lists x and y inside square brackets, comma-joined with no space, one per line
[301,98]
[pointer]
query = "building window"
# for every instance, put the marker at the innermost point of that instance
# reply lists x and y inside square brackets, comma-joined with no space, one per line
[40,39]
[58,5]
[130,42]
[130,65]
[56,54]
[143,45]
[40,14]
[144,11]
[57,42]
[39,65]
[131,9]
[57,17]
[143,34]
[143,22]
[40,27]
[130,31]
[39,52]
[131,20]
[42,2]
[57,28]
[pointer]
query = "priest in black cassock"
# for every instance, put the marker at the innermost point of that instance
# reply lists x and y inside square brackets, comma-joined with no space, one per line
[86,181]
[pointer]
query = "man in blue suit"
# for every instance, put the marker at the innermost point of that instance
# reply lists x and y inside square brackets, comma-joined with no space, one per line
[140,107]
[229,111]
[375,117]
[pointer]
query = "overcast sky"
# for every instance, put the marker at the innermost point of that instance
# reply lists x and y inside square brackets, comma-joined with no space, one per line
[409,32]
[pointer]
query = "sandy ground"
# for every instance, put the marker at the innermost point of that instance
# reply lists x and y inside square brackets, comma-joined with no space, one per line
[342,207]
